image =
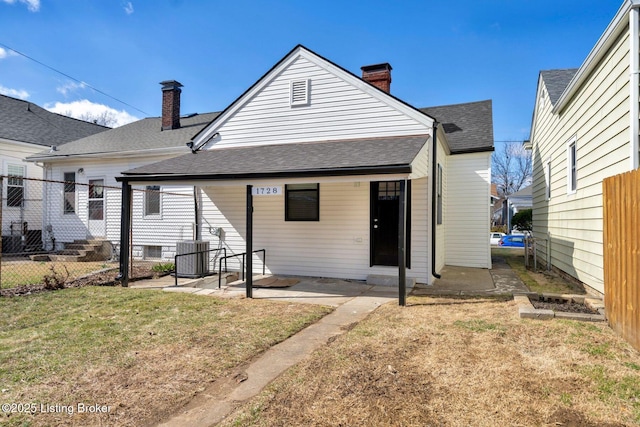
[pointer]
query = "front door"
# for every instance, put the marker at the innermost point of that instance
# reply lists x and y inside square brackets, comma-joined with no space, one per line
[96,208]
[385,201]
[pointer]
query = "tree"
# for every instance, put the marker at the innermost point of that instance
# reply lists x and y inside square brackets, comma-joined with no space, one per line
[523,220]
[104,118]
[511,168]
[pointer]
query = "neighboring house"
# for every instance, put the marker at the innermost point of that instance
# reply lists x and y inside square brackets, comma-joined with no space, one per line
[585,129]
[338,154]
[514,203]
[26,129]
[88,205]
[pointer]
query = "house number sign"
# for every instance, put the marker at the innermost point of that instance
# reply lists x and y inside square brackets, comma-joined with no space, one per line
[266,191]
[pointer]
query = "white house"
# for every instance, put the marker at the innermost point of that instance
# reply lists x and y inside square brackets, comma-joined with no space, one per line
[585,129]
[356,177]
[26,129]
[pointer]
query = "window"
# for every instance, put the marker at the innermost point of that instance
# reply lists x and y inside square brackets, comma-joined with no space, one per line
[152,200]
[299,92]
[96,199]
[69,192]
[154,252]
[572,176]
[547,178]
[15,186]
[302,202]
[439,195]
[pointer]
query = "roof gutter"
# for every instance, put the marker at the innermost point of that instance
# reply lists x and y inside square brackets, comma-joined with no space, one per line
[107,154]
[367,170]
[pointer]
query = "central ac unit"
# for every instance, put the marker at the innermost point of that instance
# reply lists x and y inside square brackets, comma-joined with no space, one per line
[196,264]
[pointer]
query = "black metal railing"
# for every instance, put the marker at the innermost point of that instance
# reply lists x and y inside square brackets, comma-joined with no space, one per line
[243,255]
[224,250]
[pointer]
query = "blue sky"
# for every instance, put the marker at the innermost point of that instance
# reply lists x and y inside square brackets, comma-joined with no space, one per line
[442,52]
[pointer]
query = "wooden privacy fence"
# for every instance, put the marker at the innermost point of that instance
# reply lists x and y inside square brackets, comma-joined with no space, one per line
[621,194]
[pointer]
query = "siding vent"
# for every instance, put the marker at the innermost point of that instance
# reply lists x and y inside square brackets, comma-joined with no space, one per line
[299,92]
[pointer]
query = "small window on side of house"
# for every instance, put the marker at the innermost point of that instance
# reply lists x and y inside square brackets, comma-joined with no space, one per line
[299,92]
[547,178]
[152,200]
[572,166]
[69,197]
[153,252]
[439,194]
[15,186]
[302,202]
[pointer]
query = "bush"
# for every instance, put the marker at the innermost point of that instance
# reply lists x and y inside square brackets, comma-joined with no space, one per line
[523,220]
[164,267]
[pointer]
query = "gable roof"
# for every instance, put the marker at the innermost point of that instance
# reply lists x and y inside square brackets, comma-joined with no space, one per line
[145,134]
[556,81]
[343,157]
[24,121]
[523,192]
[468,127]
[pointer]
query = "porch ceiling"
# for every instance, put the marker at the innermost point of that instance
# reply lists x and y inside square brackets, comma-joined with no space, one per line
[328,158]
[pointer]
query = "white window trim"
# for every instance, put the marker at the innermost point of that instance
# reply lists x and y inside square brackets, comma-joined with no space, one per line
[572,142]
[75,194]
[293,102]
[144,205]
[547,178]
[24,186]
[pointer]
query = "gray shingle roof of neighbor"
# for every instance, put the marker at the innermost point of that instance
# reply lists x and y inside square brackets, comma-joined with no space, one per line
[556,81]
[291,158]
[524,192]
[24,121]
[143,134]
[468,126]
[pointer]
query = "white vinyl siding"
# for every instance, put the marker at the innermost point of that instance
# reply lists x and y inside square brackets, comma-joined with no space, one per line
[598,117]
[337,110]
[336,246]
[467,214]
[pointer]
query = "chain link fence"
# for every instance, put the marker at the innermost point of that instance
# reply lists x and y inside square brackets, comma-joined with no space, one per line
[69,229]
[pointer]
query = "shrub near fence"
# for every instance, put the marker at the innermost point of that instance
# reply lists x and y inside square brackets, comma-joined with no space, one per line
[621,195]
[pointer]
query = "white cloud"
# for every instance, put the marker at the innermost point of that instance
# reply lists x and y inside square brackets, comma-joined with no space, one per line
[128,8]
[4,53]
[16,93]
[70,87]
[87,110]
[32,5]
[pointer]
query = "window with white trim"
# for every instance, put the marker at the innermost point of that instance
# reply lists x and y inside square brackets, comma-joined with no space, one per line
[152,200]
[299,92]
[572,166]
[302,202]
[547,179]
[439,194]
[69,197]
[15,186]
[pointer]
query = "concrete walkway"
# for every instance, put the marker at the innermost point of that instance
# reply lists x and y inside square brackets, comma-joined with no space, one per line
[215,403]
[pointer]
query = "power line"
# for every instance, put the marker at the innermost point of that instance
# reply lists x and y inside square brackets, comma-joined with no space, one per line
[73,78]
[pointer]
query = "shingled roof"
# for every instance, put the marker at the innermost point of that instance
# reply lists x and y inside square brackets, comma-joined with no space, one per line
[336,157]
[145,134]
[24,121]
[556,81]
[469,126]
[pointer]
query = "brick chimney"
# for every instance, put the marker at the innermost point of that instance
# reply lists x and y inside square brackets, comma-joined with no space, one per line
[170,104]
[378,75]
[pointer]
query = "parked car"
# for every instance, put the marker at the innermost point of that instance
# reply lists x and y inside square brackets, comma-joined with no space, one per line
[511,240]
[494,238]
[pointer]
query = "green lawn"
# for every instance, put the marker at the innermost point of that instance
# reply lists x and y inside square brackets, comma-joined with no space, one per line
[16,273]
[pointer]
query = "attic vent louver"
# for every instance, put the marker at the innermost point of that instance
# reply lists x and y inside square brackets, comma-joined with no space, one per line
[299,92]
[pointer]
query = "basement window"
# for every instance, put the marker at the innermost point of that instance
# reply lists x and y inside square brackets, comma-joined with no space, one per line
[299,92]
[152,252]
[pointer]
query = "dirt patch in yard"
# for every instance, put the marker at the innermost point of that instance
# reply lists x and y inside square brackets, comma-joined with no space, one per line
[454,362]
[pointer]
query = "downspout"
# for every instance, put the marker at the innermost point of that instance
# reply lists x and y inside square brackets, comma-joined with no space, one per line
[197,235]
[634,82]
[434,189]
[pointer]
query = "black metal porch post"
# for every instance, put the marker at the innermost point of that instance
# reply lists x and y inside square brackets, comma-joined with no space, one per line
[125,227]
[249,241]
[402,241]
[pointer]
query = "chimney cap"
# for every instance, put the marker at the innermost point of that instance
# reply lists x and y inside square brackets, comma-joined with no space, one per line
[385,66]
[170,85]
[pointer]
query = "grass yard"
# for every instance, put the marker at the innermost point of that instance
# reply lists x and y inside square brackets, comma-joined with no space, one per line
[143,353]
[455,362]
[17,273]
